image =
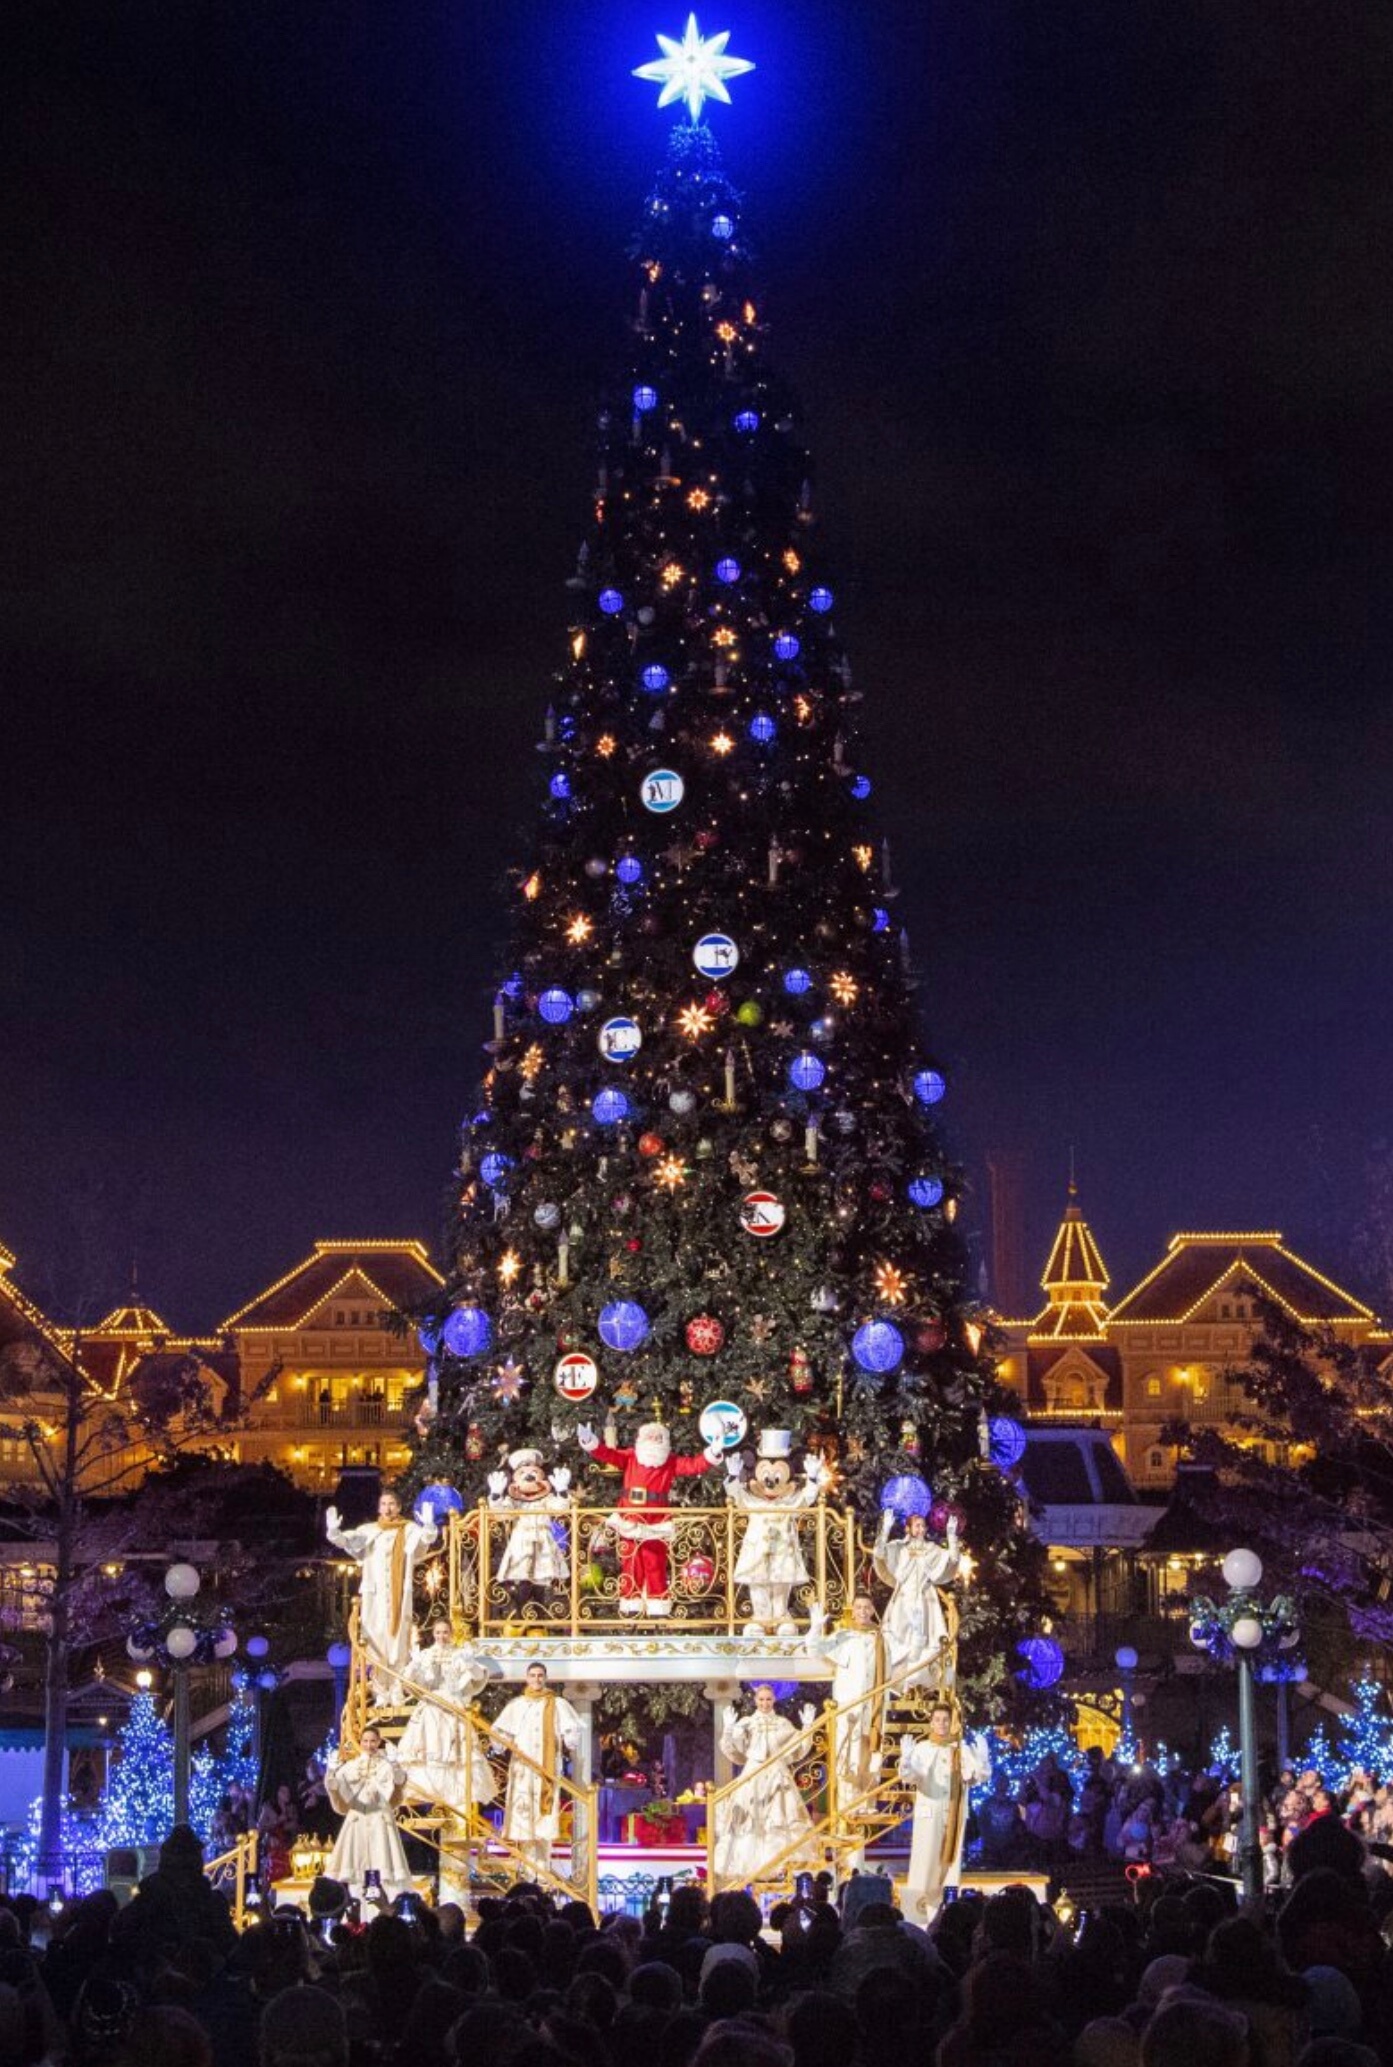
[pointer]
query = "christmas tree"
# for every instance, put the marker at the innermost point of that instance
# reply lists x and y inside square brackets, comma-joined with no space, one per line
[704,1155]
[138,1806]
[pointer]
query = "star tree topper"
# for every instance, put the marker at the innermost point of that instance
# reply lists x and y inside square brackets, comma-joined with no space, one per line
[694,70]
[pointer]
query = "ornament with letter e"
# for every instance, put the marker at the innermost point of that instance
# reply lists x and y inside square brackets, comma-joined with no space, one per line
[576,1375]
[762,1214]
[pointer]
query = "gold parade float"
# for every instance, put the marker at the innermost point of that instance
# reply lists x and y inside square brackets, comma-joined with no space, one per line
[581,1631]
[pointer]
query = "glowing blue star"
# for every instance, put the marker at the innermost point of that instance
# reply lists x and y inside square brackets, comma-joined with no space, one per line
[694,70]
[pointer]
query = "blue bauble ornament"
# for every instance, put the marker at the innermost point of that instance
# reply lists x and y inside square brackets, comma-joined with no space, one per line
[560,787]
[929,1086]
[555,1006]
[645,398]
[611,602]
[610,1107]
[1005,1442]
[629,869]
[786,647]
[722,228]
[655,679]
[878,1346]
[495,1168]
[796,981]
[907,1494]
[728,571]
[1044,1662]
[880,919]
[436,1503]
[468,1331]
[806,1071]
[820,600]
[763,730]
[860,787]
[623,1325]
[747,421]
[924,1192]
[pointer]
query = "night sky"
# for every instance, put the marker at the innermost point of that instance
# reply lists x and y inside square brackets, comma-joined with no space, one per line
[305,310]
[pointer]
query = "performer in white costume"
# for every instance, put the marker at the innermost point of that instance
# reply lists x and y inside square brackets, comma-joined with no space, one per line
[365,1790]
[762,1820]
[858,1659]
[386,1552]
[532,1557]
[542,1725]
[771,1561]
[438,1748]
[942,1766]
[914,1625]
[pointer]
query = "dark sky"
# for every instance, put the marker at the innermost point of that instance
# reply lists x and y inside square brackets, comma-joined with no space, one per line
[304,309]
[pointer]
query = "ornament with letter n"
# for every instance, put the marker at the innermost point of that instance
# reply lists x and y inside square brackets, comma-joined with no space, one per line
[762,1214]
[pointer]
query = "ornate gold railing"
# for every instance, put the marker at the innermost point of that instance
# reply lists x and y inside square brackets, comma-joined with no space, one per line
[461,1832]
[841,1821]
[704,1596]
[239,1865]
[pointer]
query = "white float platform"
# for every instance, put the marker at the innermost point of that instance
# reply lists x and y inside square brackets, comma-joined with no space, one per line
[649,1651]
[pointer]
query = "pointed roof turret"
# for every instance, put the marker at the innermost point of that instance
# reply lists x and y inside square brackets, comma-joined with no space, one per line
[1075,1279]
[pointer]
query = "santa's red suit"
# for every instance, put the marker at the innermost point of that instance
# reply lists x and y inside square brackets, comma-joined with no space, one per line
[642,1520]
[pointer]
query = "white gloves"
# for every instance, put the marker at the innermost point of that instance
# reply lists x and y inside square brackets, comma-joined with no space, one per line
[887,1520]
[817,1619]
[807,1715]
[732,1715]
[586,1437]
[498,1484]
[715,1454]
[735,1465]
[814,1470]
[331,1519]
[560,1480]
[951,1532]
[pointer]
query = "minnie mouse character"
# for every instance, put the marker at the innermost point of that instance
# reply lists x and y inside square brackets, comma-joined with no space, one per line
[533,1559]
[771,1558]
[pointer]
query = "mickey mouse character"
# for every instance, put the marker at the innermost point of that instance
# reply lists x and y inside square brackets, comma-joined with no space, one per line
[533,1558]
[771,1558]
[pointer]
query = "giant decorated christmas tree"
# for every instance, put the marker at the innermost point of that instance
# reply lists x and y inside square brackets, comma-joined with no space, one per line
[703,1156]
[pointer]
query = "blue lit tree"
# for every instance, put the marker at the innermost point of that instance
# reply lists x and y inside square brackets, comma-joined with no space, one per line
[1365,1738]
[138,1806]
[704,1152]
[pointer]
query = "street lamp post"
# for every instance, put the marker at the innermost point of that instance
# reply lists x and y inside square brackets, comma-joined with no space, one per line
[1246,1629]
[182,1636]
[1125,1659]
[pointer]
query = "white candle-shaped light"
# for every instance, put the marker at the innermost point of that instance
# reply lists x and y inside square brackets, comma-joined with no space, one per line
[775,857]
[810,1139]
[549,727]
[730,1076]
[885,862]
[563,1258]
[433,1392]
[499,1007]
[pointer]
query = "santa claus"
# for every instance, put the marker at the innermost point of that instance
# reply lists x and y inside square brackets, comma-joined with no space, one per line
[642,1522]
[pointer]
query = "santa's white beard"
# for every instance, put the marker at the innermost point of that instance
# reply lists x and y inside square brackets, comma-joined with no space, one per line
[652,1448]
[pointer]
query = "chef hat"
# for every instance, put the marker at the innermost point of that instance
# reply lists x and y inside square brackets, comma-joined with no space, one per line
[521,1457]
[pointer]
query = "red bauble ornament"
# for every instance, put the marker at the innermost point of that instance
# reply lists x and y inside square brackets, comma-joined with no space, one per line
[698,1572]
[650,1144]
[705,1334]
[880,1192]
[717,1002]
[634,1244]
[800,1373]
[930,1336]
[705,840]
[942,1512]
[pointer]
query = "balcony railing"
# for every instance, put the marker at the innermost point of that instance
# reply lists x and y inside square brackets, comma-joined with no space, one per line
[593,1598]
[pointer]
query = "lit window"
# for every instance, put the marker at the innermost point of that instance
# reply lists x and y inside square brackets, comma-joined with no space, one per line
[1153,1388]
